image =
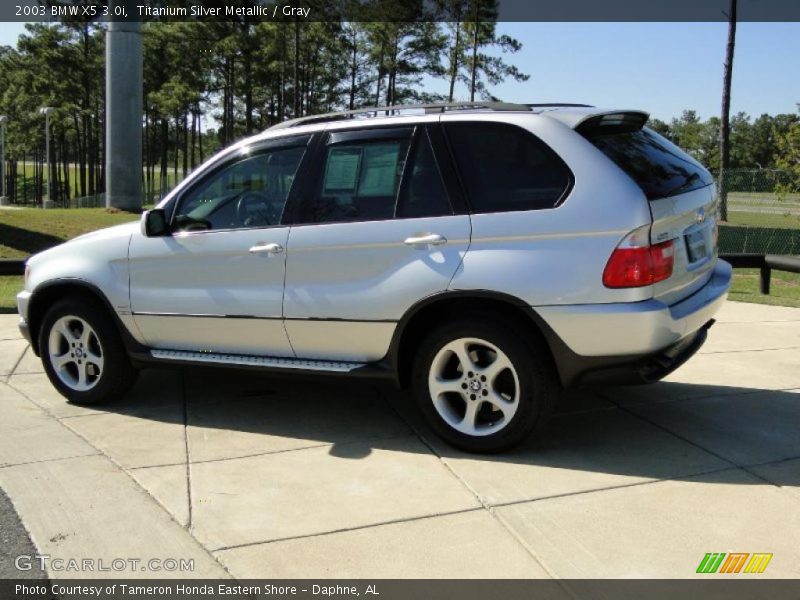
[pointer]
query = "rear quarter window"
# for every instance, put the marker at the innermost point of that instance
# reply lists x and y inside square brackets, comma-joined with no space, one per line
[658,166]
[506,168]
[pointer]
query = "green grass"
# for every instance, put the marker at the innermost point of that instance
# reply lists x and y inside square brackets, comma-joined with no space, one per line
[26,231]
[9,288]
[770,198]
[761,219]
[29,230]
[764,209]
[784,289]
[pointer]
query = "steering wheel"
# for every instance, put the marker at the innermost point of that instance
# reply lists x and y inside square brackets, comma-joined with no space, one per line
[251,217]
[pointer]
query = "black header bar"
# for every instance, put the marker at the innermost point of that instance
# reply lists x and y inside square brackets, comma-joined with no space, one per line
[399,10]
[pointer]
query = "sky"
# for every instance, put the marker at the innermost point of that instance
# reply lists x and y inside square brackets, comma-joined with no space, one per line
[662,68]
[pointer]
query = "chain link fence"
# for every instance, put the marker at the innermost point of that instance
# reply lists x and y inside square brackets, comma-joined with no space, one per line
[762,218]
[27,187]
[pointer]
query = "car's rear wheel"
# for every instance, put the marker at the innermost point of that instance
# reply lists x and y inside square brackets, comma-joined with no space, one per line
[481,387]
[82,352]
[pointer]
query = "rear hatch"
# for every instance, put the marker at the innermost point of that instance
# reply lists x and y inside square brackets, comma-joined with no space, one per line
[680,192]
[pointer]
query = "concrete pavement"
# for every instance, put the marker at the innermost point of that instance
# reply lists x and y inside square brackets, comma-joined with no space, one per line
[255,477]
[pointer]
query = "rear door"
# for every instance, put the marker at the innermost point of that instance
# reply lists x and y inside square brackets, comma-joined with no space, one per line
[681,195]
[375,233]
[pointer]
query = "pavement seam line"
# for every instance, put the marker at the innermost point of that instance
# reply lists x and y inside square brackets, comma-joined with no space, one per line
[748,350]
[186,449]
[611,488]
[783,488]
[469,488]
[521,541]
[688,441]
[759,322]
[348,529]
[48,460]
[16,364]
[127,474]
[98,413]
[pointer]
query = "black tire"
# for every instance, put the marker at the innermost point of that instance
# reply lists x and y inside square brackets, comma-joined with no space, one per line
[116,376]
[535,374]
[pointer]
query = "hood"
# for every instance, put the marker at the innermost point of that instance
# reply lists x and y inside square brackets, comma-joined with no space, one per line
[117,233]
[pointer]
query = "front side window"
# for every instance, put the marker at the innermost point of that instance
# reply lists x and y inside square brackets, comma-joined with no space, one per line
[249,193]
[505,168]
[360,180]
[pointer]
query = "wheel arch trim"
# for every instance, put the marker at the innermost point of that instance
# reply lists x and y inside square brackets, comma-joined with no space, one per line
[36,312]
[558,349]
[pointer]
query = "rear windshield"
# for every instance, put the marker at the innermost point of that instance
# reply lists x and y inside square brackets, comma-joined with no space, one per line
[657,165]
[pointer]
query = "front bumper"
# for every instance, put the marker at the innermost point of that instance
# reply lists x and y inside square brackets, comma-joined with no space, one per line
[23,299]
[25,330]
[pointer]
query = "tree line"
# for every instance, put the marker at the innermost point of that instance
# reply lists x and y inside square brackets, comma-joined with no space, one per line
[207,84]
[756,143]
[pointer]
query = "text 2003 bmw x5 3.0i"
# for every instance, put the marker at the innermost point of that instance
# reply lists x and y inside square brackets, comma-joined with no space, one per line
[484,256]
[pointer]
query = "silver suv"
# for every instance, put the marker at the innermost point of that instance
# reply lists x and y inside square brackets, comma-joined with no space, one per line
[484,256]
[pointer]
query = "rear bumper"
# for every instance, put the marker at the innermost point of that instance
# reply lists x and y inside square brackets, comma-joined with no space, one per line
[647,339]
[636,328]
[646,369]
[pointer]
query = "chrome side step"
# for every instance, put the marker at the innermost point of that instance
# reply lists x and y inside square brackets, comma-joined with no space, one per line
[255,361]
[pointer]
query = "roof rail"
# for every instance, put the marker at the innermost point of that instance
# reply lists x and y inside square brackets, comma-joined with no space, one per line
[559,105]
[396,109]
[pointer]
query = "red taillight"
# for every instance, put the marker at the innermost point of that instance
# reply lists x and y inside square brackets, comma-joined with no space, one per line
[639,265]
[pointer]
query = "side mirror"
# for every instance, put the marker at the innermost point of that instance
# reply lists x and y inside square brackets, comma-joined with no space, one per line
[154,223]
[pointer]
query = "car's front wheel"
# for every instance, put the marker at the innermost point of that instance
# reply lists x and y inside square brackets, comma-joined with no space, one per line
[482,387]
[82,352]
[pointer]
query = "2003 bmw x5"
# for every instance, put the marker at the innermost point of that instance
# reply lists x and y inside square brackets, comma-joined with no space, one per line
[483,255]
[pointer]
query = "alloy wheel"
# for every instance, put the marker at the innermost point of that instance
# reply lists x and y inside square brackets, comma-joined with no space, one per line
[474,386]
[75,353]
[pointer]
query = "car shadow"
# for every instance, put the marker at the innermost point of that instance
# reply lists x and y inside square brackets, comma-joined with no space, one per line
[663,431]
[24,240]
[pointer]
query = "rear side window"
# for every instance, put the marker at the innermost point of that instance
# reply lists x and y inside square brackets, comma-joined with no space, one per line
[658,166]
[505,168]
[360,181]
[423,193]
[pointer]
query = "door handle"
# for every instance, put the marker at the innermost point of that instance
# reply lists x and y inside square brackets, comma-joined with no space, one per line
[262,248]
[423,241]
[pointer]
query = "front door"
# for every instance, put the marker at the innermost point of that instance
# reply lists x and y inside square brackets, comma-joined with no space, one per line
[216,283]
[377,232]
